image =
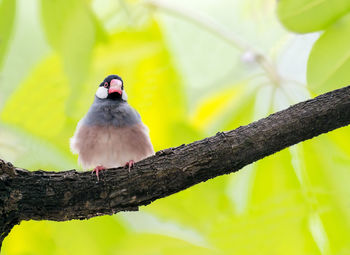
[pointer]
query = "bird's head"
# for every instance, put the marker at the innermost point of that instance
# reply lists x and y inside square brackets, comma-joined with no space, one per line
[112,87]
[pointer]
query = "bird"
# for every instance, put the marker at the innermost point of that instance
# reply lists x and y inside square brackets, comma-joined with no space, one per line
[111,134]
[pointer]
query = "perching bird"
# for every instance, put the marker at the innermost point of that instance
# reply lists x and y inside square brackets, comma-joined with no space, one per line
[111,134]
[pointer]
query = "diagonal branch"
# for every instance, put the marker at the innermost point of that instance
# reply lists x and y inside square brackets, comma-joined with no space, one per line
[70,194]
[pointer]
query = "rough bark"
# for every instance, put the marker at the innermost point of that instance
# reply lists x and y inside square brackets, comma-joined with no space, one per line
[66,195]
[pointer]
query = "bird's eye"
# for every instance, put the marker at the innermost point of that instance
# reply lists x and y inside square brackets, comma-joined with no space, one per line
[105,85]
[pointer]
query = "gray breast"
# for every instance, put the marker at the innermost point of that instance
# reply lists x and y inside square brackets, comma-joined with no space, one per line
[104,112]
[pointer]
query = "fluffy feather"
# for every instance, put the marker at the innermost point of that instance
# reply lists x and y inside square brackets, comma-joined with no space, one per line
[102,92]
[124,96]
[111,146]
[111,134]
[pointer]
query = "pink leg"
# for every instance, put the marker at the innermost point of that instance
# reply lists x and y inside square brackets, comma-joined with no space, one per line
[97,169]
[129,164]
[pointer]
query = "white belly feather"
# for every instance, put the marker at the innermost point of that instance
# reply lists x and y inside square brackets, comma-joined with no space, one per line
[111,146]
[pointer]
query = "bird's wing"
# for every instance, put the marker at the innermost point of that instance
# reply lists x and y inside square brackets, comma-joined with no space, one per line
[136,141]
[74,144]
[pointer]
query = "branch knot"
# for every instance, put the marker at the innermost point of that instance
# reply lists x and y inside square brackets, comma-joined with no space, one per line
[6,168]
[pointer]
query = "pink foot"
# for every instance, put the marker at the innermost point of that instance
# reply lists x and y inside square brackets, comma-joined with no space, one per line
[129,164]
[97,169]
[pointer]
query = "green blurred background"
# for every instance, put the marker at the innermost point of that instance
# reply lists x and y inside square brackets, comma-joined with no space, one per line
[191,68]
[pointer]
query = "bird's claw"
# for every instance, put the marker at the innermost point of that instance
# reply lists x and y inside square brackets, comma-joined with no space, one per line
[129,164]
[96,170]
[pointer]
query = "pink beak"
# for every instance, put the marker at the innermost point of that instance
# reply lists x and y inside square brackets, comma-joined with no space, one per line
[115,87]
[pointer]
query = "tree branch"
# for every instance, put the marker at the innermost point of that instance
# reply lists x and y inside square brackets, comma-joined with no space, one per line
[67,195]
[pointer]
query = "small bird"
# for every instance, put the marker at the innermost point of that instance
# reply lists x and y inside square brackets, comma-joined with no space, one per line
[111,134]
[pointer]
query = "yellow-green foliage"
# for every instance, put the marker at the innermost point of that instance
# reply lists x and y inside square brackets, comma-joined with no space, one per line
[187,83]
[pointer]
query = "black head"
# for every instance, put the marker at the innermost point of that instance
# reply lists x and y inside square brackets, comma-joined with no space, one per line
[112,87]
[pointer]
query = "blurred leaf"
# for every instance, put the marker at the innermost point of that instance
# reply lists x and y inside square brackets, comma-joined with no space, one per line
[239,112]
[183,132]
[210,201]
[209,108]
[78,40]
[142,222]
[341,139]
[77,43]
[55,17]
[304,16]
[239,188]
[329,62]
[30,238]
[274,217]
[71,30]
[328,189]
[31,152]
[151,244]
[225,109]
[100,33]
[7,18]
[100,235]
[39,103]
[318,233]
[27,48]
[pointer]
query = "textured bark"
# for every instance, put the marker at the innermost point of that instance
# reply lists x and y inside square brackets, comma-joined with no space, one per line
[66,195]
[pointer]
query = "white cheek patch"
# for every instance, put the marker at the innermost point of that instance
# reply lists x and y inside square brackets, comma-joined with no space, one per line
[102,92]
[124,96]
